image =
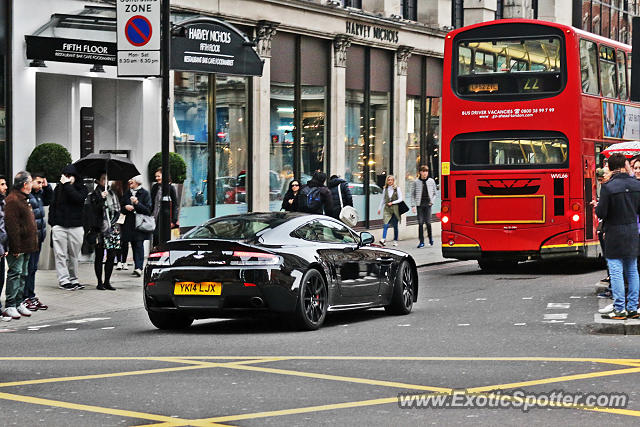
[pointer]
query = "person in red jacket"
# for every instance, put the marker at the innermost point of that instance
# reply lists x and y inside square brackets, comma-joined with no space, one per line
[22,234]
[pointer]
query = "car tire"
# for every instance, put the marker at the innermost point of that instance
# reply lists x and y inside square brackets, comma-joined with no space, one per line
[169,321]
[311,309]
[402,293]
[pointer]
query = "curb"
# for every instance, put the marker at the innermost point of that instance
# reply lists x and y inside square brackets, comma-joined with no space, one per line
[620,328]
[446,261]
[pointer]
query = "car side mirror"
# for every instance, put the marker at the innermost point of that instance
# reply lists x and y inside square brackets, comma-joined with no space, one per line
[366,238]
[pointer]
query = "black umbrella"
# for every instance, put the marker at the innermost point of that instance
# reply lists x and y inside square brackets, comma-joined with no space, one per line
[116,167]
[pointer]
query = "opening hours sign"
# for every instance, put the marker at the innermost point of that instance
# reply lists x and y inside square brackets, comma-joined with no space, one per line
[138,29]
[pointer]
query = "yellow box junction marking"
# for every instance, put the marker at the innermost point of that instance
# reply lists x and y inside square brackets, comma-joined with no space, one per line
[245,363]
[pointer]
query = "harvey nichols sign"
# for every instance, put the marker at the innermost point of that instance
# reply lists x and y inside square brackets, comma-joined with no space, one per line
[372,32]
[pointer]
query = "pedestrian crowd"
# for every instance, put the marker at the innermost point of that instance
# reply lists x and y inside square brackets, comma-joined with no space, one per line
[106,220]
[618,210]
[336,200]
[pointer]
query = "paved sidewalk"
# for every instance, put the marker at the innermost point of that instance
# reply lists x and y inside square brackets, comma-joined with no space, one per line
[90,302]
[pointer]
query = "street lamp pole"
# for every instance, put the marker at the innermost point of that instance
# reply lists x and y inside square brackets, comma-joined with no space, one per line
[165,55]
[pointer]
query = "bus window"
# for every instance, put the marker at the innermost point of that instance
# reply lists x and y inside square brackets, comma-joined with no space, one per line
[622,79]
[519,66]
[589,67]
[464,60]
[608,72]
[488,153]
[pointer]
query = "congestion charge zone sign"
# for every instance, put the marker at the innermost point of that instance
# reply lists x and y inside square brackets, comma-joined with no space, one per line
[138,29]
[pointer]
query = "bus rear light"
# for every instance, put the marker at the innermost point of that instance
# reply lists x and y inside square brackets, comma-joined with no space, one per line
[445,219]
[570,242]
[445,208]
[576,207]
[452,242]
[575,218]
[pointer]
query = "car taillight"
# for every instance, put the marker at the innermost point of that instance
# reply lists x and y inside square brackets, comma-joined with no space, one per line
[158,258]
[254,258]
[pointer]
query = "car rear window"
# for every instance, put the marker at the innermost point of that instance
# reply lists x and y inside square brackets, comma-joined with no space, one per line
[231,228]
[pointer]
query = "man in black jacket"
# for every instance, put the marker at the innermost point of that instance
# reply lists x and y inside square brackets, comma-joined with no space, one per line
[335,183]
[65,219]
[618,208]
[41,195]
[156,201]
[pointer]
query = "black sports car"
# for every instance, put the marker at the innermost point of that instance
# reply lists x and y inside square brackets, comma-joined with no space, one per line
[291,263]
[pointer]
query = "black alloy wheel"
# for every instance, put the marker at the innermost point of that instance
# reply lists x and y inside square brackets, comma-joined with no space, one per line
[169,321]
[402,294]
[312,301]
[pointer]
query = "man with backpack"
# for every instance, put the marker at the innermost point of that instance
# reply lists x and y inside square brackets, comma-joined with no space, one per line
[315,197]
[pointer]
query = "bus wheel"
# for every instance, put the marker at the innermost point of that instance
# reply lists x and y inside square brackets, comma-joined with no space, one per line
[496,266]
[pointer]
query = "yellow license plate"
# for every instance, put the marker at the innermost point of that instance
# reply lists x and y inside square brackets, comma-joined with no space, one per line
[197,288]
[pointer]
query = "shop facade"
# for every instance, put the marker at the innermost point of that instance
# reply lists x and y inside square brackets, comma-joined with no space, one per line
[341,91]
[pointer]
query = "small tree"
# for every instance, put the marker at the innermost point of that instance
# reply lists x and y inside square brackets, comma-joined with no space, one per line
[177,167]
[49,158]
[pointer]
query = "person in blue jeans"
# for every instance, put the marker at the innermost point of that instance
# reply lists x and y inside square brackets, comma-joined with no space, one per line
[618,208]
[41,196]
[391,197]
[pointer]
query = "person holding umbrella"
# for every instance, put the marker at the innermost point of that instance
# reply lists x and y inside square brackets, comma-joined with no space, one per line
[102,230]
[113,167]
[136,201]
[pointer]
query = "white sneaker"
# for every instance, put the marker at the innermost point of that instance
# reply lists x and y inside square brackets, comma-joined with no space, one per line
[4,317]
[382,242]
[607,309]
[395,243]
[12,312]
[23,310]
[119,266]
[125,266]
[137,272]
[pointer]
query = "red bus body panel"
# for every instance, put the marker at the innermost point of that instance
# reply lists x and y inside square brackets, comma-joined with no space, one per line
[524,226]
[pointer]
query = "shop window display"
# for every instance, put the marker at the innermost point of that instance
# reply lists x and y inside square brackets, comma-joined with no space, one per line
[226,148]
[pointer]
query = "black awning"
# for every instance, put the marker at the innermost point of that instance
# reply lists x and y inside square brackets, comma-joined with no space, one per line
[213,46]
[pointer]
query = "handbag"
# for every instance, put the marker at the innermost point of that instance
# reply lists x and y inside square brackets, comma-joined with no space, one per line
[403,208]
[145,223]
[348,214]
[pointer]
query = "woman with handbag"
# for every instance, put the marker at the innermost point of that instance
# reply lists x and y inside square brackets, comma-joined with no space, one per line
[103,230]
[136,202]
[391,198]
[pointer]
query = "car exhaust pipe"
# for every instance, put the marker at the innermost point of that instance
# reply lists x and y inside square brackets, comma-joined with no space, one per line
[256,302]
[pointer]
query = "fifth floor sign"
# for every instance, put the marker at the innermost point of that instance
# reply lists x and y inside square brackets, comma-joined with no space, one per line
[213,46]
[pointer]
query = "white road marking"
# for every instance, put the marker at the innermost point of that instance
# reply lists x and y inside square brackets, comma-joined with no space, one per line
[433,299]
[572,323]
[562,305]
[464,324]
[575,297]
[40,326]
[405,325]
[519,324]
[555,316]
[527,297]
[89,319]
[71,329]
[108,327]
[553,321]
[481,299]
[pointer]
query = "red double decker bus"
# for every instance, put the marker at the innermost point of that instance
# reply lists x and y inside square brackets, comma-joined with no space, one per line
[526,109]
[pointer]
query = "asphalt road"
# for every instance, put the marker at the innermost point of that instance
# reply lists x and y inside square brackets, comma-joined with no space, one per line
[473,332]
